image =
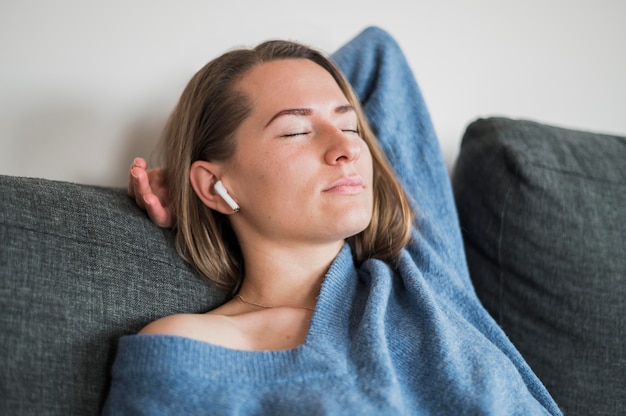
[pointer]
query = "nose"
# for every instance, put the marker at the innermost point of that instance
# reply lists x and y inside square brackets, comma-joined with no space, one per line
[342,146]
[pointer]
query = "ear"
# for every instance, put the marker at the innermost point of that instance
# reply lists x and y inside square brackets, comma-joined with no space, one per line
[203,176]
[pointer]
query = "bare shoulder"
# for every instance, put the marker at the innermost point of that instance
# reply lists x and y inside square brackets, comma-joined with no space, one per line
[270,329]
[170,325]
[203,327]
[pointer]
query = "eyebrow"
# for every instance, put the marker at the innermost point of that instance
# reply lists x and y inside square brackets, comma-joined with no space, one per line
[307,112]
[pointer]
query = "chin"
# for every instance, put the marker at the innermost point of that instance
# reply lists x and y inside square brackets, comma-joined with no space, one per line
[354,225]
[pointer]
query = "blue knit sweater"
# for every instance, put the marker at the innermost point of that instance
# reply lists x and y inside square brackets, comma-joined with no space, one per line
[408,340]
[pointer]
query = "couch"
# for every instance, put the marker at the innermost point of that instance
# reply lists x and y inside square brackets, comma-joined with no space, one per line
[543,215]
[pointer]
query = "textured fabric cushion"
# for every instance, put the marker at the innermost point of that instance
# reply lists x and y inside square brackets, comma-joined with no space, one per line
[79,267]
[543,212]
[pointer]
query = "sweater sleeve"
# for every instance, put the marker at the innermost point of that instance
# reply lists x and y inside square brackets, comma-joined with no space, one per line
[384,82]
[382,78]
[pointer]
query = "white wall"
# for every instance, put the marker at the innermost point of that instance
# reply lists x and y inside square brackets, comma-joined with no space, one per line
[85,86]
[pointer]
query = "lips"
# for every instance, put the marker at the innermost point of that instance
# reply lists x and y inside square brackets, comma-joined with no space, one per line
[348,186]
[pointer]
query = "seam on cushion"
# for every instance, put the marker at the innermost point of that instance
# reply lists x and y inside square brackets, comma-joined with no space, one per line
[574,173]
[140,253]
[503,213]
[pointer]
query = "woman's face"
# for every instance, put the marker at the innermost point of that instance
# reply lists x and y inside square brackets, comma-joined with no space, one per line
[300,172]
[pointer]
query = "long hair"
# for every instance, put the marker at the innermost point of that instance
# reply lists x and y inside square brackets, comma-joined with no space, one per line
[202,127]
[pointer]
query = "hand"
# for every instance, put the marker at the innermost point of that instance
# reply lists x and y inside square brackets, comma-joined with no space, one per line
[148,190]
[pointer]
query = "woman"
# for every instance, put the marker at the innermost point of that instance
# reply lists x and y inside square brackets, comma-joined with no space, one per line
[341,304]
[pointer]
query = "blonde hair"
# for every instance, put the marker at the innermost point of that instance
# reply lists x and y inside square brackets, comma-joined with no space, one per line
[202,127]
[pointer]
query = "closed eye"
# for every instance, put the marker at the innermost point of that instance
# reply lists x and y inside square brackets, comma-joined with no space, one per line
[304,133]
[295,134]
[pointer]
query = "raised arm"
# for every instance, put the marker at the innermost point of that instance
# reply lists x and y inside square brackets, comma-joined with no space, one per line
[382,78]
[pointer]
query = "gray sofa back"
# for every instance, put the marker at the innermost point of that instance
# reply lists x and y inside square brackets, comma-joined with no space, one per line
[79,267]
[543,215]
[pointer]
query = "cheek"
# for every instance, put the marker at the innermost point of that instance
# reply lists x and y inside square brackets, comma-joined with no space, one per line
[367,164]
[253,164]
[263,179]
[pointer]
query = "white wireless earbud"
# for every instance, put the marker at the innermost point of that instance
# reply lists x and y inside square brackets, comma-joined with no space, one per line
[219,188]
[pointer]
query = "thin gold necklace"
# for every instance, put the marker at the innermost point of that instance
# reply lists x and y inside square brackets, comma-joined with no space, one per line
[241,298]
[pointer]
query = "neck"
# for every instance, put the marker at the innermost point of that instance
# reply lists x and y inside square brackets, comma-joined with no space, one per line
[286,276]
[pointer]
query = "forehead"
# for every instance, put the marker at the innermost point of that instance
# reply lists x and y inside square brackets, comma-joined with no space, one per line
[289,79]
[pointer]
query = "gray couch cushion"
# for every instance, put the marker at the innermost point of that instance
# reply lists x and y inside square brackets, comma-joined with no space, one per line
[79,267]
[543,214]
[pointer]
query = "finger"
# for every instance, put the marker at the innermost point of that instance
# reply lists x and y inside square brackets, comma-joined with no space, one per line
[159,215]
[141,186]
[140,162]
[137,163]
[131,182]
